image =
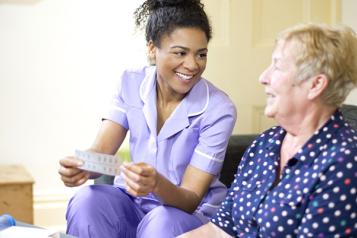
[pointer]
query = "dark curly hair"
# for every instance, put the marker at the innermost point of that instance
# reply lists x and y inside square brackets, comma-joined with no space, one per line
[160,17]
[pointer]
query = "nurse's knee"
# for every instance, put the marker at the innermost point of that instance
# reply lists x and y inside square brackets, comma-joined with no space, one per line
[161,215]
[89,199]
[167,220]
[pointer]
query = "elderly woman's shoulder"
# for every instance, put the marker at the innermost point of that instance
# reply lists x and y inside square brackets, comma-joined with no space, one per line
[343,145]
[274,131]
[272,136]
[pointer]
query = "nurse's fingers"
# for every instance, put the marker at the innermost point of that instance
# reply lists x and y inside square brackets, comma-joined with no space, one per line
[136,189]
[141,169]
[76,180]
[70,162]
[141,180]
[68,171]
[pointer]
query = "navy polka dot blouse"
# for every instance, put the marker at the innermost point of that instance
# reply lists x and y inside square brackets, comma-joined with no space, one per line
[316,195]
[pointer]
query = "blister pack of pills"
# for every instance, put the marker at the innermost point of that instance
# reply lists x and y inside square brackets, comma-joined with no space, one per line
[99,163]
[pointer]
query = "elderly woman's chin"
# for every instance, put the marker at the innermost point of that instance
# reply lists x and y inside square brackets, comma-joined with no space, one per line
[270,110]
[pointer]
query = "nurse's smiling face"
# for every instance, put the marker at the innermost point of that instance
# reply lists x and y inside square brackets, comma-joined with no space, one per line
[180,59]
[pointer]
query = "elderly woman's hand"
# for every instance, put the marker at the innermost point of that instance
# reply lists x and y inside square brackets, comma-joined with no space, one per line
[141,179]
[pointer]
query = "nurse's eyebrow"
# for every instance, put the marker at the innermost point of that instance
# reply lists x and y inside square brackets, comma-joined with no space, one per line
[187,49]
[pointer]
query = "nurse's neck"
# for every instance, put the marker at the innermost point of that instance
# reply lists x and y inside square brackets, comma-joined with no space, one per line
[165,95]
[166,103]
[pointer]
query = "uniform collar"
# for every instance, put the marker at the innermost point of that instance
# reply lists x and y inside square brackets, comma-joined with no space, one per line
[194,104]
[147,87]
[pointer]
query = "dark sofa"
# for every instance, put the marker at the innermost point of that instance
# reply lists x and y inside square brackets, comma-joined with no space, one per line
[238,144]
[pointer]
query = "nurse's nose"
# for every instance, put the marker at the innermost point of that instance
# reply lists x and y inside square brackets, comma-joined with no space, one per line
[191,63]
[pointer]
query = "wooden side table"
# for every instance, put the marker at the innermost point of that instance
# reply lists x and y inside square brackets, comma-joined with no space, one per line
[16,196]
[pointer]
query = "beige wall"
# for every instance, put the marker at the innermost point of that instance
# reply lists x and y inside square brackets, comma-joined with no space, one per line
[244,35]
[349,18]
[58,61]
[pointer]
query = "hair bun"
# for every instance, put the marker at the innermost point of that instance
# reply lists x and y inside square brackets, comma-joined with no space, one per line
[156,4]
[161,16]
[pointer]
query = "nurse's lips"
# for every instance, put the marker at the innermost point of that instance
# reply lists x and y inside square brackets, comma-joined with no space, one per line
[184,76]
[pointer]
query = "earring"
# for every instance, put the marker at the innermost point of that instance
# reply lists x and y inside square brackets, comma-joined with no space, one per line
[151,60]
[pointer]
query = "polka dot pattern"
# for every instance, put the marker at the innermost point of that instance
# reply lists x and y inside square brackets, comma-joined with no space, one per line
[316,195]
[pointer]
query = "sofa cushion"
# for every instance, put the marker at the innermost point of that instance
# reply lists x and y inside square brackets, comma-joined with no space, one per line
[350,114]
[236,146]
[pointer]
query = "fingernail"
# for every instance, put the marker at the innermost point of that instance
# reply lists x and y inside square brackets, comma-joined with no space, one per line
[126,163]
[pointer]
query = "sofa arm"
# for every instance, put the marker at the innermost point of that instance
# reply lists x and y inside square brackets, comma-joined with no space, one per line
[236,147]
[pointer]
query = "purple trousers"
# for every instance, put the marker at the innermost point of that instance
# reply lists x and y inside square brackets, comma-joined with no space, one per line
[105,211]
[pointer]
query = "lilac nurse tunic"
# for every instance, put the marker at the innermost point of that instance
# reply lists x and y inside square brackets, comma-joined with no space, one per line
[196,133]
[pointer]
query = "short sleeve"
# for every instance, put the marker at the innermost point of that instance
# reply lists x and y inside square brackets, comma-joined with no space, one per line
[117,109]
[213,139]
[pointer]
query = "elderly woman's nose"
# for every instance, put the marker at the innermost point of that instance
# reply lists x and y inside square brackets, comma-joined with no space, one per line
[264,78]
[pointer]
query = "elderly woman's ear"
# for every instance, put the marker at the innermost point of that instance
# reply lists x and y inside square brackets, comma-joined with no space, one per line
[318,84]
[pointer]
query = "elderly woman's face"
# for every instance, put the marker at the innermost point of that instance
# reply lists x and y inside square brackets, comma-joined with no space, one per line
[284,96]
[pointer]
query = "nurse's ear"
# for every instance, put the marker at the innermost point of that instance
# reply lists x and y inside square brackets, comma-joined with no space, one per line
[151,52]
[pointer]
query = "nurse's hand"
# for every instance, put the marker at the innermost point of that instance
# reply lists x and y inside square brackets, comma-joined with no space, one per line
[71,175]
[141,179]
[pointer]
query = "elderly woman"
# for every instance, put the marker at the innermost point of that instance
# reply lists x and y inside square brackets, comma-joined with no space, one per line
[296,179]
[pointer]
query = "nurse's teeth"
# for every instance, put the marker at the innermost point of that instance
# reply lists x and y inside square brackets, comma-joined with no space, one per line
[184,76]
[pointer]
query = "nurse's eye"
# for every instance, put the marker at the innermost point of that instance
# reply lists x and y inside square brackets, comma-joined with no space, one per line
[180,53]
[203,55]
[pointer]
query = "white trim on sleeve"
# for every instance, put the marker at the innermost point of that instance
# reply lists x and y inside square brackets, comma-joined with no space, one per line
[118,109]
[210,205]
[208,156]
